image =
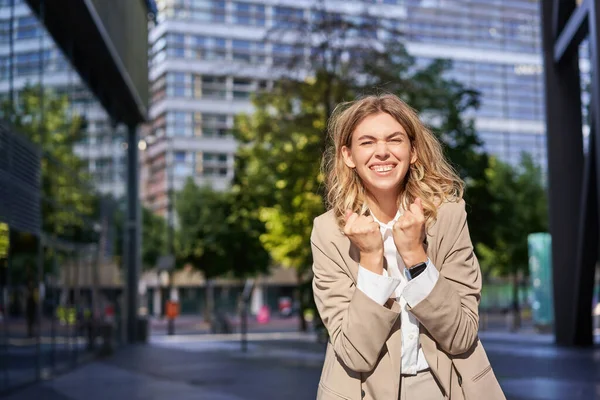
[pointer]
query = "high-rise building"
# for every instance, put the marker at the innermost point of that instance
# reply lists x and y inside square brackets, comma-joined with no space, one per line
[208,56]
[31,50]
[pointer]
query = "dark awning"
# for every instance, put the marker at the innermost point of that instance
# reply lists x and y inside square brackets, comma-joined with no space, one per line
[107,43]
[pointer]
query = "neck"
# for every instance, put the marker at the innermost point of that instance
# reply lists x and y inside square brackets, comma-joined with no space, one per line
[384,208]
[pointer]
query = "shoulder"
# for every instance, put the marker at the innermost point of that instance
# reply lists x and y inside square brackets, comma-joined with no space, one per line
[450,208]
[451,214]
[325,226]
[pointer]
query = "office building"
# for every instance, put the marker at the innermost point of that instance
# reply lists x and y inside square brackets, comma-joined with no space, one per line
[208,56]
[33,51]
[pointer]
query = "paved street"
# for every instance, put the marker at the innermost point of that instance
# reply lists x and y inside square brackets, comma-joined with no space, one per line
[214,368]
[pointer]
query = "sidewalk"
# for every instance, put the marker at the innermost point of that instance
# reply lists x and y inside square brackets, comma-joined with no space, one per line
[209,367]
[187,324]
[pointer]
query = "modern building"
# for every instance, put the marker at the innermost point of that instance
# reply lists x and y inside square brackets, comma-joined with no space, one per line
[30,51]
[208,56]
[53,311]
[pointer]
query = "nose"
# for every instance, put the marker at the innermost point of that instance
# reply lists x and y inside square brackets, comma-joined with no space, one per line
[381,150]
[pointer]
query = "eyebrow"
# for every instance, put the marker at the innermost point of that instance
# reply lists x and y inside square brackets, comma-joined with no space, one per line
[391,135]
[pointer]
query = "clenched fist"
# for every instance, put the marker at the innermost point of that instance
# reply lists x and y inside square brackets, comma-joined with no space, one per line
[409,234]
[364,233]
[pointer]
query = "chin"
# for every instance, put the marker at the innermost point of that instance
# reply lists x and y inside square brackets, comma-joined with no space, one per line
[385,188]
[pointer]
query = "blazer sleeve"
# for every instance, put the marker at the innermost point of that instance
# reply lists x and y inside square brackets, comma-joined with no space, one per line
[450,311]
[358,326]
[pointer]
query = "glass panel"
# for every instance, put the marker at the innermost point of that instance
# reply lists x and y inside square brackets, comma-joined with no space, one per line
[22,301]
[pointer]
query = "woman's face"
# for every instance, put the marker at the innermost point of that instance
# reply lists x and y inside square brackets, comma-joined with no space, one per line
[381,153]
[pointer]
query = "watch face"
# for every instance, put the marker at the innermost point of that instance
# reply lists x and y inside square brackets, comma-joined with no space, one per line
[416,270]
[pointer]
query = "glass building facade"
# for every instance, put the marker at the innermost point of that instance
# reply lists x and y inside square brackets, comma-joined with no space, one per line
[51,287]
[34,51]
[208,56]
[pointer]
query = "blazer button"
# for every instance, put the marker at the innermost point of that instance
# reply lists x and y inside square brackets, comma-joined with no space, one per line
[362,394]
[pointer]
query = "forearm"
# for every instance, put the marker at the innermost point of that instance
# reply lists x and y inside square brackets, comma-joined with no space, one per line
[453,325]
[363,331]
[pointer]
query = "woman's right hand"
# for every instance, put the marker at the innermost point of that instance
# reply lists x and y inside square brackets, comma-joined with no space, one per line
[364,233]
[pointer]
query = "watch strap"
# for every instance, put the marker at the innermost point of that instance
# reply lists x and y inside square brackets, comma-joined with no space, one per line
[415,270]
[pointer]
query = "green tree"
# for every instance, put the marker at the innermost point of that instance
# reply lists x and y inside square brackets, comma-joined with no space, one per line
[282,142]
[154,234]
[520,207]
[4,240]
[213,237]
[45,119]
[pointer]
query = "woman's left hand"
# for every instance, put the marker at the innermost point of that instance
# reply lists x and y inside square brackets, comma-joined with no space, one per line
[409,235]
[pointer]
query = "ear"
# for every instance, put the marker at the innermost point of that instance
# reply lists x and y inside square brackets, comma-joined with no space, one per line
[347,154]
[413,155]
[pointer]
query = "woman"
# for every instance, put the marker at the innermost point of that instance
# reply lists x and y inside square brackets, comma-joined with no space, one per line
[396,281]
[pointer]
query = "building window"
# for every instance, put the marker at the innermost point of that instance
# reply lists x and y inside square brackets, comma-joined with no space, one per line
[177,123]
[4,67]
[158,88]
[208,48]
[218,11]
[159,126]
[286,53]
[249,14]
[248,51]
[158,51]
[104,170]
[176,84]
[175,45]
[214,164]
[180,166]
[29,63]
[210,125]
[288,17]
[179,156]
[242,88]
[27,28]
[211,86]
[4,31]
[199,10]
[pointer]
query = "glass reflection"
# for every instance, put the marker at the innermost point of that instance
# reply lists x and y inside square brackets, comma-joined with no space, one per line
[22,308]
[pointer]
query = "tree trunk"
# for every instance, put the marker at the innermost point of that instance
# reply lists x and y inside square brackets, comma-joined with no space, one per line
[301,298]
[210,304]
[516,309]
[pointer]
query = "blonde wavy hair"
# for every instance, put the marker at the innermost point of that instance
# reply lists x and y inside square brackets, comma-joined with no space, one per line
[431,177]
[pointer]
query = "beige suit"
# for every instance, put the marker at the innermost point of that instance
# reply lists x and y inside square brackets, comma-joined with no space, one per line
[363,356]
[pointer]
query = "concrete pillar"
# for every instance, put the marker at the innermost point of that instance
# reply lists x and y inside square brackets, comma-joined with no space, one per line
[132,238]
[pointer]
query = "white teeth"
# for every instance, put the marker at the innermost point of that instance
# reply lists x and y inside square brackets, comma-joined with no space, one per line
[383,168]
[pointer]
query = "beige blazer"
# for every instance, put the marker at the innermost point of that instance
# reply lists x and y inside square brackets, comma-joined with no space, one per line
[363,355]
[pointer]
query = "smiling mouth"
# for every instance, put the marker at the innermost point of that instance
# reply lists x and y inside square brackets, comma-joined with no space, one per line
[382,168]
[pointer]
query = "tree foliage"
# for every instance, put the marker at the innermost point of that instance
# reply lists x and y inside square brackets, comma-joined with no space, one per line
[283,141]
[154,233]
[213,237]
[68,199]
[520,207]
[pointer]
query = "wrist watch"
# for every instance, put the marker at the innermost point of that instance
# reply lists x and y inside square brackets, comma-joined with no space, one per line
[415,270]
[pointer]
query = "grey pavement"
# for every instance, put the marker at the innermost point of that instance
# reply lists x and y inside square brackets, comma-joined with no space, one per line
[287,366]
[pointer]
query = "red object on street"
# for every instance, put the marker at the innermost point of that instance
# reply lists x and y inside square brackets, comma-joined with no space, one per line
[264,315]
[109,311]
[172,309]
